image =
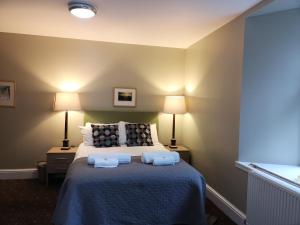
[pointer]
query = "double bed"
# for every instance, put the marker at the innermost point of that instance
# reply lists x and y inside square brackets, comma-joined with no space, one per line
[133,194]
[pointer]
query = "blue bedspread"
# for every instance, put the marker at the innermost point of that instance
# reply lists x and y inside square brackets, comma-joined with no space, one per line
[131,194]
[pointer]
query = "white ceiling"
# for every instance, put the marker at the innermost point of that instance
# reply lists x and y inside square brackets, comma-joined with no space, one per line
[278,5]
[167,23]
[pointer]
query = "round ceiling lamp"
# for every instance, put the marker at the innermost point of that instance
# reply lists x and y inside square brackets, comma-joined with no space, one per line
[82,10]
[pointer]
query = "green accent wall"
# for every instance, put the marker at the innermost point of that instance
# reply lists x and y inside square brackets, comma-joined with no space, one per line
[116,116]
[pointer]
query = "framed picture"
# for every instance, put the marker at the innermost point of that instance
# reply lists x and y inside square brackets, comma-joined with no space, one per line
[7,94]
[125,97]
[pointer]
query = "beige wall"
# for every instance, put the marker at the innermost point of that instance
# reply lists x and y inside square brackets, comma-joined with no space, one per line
[41,65]
[211,128]
[212,81]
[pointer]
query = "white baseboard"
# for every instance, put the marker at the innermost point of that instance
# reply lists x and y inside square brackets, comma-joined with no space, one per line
[222,203]
[15,174]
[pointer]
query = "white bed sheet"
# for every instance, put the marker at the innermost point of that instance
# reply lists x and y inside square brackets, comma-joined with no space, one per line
[85,151]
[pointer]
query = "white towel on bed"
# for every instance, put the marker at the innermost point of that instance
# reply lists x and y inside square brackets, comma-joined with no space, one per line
[163,160]
[121,157]
[106,163]
[148,157]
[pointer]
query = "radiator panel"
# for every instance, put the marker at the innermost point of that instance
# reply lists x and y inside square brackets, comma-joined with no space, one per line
[271,203]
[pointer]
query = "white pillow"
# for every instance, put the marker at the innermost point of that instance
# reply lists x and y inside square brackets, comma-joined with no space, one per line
[154,135]
[122,133]
[87,137]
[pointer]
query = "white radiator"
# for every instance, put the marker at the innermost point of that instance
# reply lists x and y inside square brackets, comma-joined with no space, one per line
[271,201]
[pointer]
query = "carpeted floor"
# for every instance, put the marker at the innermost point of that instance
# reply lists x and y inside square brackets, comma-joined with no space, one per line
[27,202]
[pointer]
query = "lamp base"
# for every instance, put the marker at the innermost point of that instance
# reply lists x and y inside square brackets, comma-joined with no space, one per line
[65,145]
[173,143]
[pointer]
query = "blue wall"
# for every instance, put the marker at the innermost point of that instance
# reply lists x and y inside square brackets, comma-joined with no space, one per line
[270,104]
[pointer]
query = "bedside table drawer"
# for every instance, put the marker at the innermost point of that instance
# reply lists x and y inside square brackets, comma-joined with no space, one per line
[60,158]
[57,168]
[59,163]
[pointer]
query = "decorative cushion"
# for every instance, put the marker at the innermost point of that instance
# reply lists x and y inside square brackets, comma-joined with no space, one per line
[105,135]
[138,134]
[87,136]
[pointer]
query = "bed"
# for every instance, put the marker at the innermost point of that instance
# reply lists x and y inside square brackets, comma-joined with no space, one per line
[133,194]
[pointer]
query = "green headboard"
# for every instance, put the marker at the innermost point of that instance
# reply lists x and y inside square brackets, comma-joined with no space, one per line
[116,116]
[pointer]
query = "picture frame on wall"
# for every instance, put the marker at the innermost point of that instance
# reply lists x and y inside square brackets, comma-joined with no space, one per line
[7,93]
[124,97]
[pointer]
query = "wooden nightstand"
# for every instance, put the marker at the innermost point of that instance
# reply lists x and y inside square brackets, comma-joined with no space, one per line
[58,160]
[184,152]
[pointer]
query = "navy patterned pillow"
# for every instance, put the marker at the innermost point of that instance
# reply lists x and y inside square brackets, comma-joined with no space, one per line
[105,135]
[138,134]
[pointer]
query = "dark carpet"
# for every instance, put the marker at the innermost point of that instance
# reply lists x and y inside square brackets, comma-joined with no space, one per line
[27,202]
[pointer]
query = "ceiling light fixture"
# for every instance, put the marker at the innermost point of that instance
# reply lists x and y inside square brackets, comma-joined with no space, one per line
[82,10]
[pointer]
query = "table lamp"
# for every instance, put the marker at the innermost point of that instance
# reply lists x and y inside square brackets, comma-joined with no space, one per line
[174,105]
[66,102]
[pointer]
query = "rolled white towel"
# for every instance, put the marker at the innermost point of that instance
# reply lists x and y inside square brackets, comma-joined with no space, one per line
[106,163]
[148,157]
[122,157]
[163,160]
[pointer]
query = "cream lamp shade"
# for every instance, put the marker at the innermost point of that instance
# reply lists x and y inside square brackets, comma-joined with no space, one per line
[175,105]
[66,101]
